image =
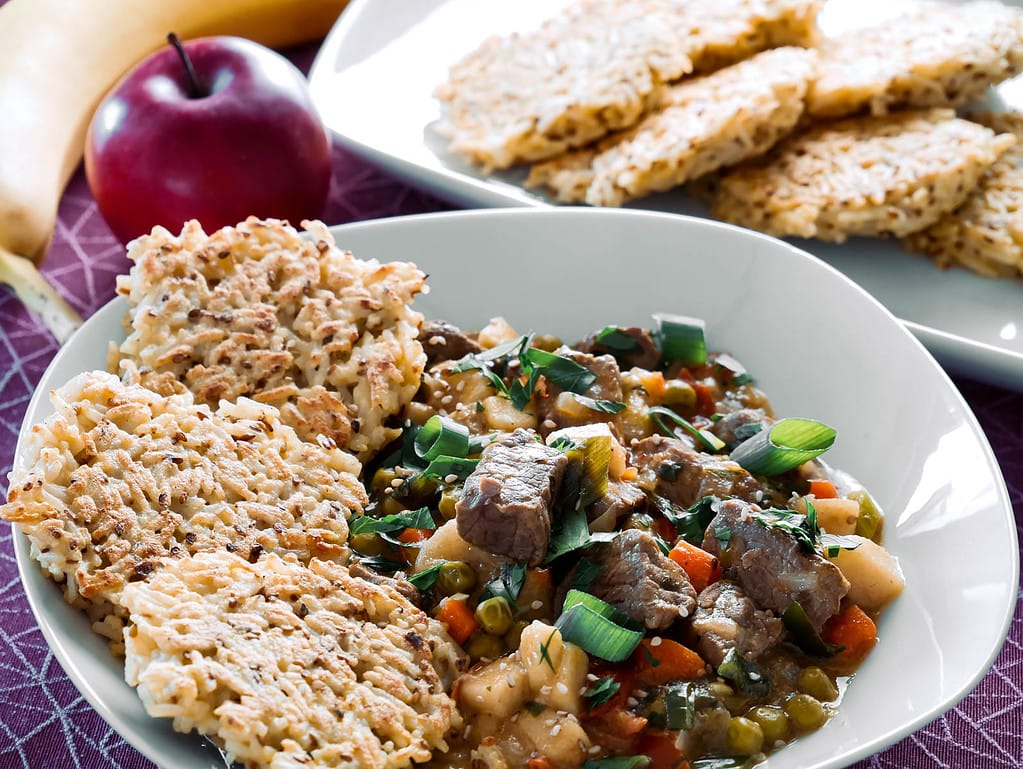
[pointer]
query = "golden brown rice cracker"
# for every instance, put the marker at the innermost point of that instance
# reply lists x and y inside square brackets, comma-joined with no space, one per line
[985,234]
[883,175]
[287,665]
[721,119]
[120,477]
[598,67]
[260,311]
[942,54]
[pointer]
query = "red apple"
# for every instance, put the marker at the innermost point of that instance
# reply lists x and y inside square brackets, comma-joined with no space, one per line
[214,130]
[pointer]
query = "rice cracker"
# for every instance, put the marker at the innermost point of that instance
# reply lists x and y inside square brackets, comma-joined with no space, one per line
[985,234]
[288,665]
[260,311]
[876,175]
[121,477]
[721,119]
[938,55]
[598,67]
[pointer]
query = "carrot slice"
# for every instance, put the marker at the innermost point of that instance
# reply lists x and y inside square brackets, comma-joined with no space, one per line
[823,489]
[454,611]
[701,566]
[413,536]
[853,630]
[660,661]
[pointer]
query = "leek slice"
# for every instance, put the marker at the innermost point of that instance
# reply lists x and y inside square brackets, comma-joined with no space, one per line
[681,339]
[440,437]
[784,445]
[662,415]
[597,627]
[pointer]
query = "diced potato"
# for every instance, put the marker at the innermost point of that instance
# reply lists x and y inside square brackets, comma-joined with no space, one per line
[558,736]
[873,573]
[501,414]
[447,545]
[497,331]
[499,689]
[557,670]
[837,516]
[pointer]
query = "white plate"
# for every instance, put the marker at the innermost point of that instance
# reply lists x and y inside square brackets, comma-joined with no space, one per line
[373,81]
[825,349]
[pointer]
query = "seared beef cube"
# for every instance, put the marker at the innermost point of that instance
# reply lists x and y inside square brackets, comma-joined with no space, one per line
[444,341]
[739,425]
[556,406]
[684,475]
[641,582]
[620,500]
[506,503]
[726,618]
[772,566]
[632,347]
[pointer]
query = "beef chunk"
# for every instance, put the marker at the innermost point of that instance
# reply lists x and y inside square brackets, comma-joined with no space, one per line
[639,581]
[632,347]
[621,499]
[685,475]
[443,341]
[506,503]
[739,425]
[558,407]
[726,618]
[772,566]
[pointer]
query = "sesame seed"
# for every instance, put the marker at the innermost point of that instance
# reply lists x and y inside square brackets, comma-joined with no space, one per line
[510,680]
[396,482]
[536,605]
[556,730]
[450,478]
[549,424]
[594,750]
[562,689]
[545,690]
[655,641]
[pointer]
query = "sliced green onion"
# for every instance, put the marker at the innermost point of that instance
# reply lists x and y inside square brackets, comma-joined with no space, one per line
[444,467]
[662,415]
[601,691]
[388,524]
[681,339]
[442,436]
[596,634]
[617,762]
[680,705]
[784,445]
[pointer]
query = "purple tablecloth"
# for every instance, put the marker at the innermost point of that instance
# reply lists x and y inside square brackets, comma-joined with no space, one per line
[45,722]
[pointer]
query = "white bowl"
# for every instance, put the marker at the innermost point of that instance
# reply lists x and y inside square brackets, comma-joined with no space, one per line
[817,344]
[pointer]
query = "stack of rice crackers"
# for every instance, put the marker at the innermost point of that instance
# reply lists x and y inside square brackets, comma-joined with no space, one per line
[784,130]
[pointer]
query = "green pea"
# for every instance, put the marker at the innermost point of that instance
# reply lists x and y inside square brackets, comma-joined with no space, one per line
[495,615]
[368,544]
[744,737]
[446,505]
[679,393]
[485,645]
[455,577]
[816,683]
[806,713]
[774,722]
[382,479]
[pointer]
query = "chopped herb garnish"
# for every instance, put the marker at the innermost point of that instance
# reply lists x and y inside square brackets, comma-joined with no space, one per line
[783,446]
[690,523]
[803,633]
[535,708]
[715,762]
[427,578]
[562,371]
[602,406]
[651,660]
[442,467]
[389,524]
[601,691]
[723,534]
[545,650]
[615,338]
[680,705]
[507,584]
[832,544]
[585,572]
[380,564]
[572,534]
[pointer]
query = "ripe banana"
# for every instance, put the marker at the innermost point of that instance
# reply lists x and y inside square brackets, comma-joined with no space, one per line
[59,58]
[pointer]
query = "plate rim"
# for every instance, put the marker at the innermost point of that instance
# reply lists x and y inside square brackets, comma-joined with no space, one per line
[1002,500]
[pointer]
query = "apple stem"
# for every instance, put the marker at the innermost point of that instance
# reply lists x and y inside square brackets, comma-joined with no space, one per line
[195,89]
